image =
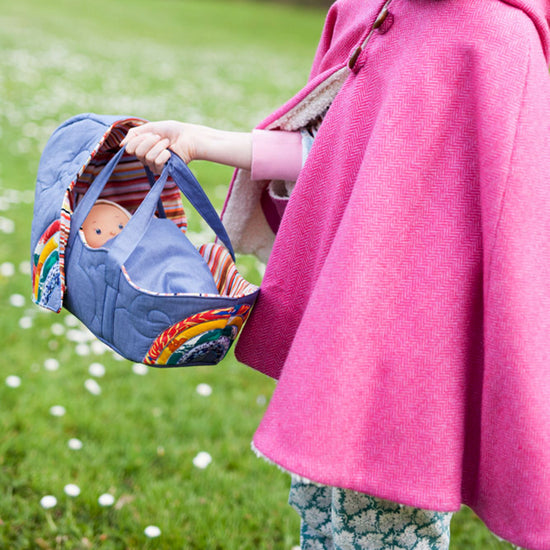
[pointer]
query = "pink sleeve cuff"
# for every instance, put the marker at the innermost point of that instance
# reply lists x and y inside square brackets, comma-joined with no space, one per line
[276,155]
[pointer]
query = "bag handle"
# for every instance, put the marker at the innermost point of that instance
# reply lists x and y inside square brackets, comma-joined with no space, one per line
[127,239]
[86,203]
[151,178]
[195,194]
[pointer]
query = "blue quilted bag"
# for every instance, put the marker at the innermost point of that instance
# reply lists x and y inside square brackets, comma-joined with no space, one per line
[148,293]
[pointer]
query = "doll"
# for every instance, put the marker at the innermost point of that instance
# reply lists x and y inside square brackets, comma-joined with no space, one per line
[105,221]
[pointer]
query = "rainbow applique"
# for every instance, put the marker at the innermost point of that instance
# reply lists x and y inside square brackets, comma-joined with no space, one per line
[46,280]
[203,338]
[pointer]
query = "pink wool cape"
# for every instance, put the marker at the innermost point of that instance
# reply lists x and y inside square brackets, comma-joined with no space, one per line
[405,308]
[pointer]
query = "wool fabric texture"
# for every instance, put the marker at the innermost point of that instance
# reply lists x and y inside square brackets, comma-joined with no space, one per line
[405,308]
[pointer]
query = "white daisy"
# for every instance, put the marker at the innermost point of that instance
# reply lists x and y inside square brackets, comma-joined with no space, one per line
[13,381]
[82,350]
[51,364]
[25,322]
[139,369]
[106,499]
[152,531]
[92,386]
[77,336]
[71,321]
[58,410]
[17,300]
[98,348]
[7,269]
[202,460]
[204,389]
[57,329]
[47,502]
[97,370]
[71,490]
[7,225]
[75,444]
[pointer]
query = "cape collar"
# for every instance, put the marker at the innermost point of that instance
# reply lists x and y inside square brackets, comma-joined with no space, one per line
[539,12]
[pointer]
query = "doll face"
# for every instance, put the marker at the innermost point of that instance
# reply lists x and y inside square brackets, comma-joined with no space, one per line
[104,222]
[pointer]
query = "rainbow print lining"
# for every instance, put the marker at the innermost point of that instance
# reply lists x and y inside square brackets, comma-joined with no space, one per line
[45,269]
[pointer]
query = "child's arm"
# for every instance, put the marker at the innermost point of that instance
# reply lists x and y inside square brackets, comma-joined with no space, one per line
[268,154]
[276,155]
[150,143]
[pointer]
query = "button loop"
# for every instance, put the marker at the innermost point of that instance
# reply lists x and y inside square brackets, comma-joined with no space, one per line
[376,25]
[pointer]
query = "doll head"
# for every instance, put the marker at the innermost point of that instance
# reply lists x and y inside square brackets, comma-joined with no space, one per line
[105,221]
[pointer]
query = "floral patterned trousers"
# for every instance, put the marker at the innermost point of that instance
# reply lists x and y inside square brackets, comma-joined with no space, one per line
[341,519]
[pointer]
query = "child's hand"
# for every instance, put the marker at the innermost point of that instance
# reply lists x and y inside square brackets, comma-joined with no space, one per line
[151,141]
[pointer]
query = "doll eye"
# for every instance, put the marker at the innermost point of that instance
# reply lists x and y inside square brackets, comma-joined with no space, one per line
[120,226]
[98,231]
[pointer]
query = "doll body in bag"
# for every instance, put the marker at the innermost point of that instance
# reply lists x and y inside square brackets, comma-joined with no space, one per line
[152,266]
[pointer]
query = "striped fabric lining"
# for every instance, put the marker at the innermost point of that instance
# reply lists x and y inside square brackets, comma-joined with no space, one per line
[228,279]
[64,229]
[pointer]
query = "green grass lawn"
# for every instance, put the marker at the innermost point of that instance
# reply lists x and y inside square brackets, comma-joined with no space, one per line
[220,63]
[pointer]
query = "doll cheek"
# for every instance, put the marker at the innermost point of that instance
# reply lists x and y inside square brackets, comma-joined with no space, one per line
[95,241]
